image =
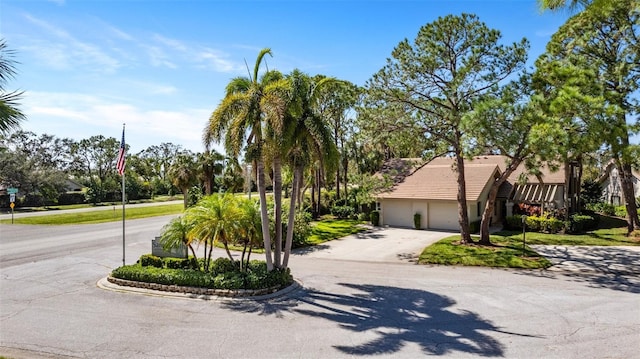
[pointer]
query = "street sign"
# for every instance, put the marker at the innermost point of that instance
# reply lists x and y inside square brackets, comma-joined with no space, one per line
[12,190]
[12,205]
[12,197]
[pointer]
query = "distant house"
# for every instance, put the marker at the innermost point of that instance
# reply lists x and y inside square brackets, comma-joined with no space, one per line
[432,189]
[611,186]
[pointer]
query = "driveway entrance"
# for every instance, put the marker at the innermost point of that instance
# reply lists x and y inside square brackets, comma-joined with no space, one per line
[379,244]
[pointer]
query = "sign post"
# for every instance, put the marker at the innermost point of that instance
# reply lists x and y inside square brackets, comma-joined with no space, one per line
[12,198]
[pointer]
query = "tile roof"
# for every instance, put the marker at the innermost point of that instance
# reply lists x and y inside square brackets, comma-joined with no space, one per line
[437,180]
[440,183]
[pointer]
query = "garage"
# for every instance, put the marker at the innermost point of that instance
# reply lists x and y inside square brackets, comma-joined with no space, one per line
[397,213]
[443,215]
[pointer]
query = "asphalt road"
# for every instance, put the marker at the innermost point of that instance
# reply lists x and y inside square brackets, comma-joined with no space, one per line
[50,306]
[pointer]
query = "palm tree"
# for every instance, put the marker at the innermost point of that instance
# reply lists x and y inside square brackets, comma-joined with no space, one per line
[210,166]
[308,139]
[176,232]
[10,115]
[249,229]
[183,173]
[215,219]
[239,118]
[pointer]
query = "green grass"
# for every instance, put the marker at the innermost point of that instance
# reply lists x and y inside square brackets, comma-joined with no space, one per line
[611,232]
[156,199]
[507,249]
[108,215]
[506,253]
[331,229]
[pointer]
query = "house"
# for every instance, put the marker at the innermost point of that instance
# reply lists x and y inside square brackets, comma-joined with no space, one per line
[611,186]
[431,190]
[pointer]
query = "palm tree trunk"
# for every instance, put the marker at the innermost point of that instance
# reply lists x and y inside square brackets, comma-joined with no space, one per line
[277,199]
[264,215]
[185,194]
[297,182]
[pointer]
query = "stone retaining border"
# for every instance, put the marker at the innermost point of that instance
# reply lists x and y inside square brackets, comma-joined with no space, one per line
[229,293]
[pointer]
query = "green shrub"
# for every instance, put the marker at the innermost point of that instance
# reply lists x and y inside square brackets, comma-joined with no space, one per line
[364,217]
[620,211]
[474,226]
[375,218]
[604,208]
[533,223]
[148,260]
[552,225]
[342,212]
[177,263]
[256,276]
[417,219]
[513,222]
[582,223]
[224,265]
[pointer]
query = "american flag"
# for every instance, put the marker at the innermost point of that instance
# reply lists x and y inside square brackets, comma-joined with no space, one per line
[122,153]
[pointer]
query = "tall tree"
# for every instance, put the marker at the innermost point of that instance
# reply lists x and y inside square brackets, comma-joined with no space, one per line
[239,119]
[336,104]
[184,173]
[590,74]
[307,137]
[94,159]
[210,163]
[507,124]
[452,64]
[10,114]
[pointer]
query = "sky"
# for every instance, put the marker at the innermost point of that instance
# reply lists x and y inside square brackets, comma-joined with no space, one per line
[89,66]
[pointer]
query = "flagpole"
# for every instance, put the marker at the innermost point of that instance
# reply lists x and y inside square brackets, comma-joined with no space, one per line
[123,199]
[123,195]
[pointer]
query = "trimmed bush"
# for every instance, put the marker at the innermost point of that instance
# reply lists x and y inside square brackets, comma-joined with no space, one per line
[148,260]
[342,212]
[375,218]
[256,276]
[223,265]
[582,223]
[417,219]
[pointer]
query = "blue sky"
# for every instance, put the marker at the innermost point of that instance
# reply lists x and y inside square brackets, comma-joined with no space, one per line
[88,66]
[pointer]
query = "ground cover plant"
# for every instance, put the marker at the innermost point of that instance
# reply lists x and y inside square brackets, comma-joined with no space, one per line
[221,273]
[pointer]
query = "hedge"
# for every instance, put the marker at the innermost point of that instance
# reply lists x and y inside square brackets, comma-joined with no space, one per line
[577,223]
[255,277]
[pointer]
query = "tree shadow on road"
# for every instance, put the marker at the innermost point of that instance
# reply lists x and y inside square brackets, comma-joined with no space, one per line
[390,318]
[599,267]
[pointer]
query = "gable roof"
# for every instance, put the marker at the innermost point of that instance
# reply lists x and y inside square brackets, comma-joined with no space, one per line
[607,172]
[437,179]
[439,182]
[399,168]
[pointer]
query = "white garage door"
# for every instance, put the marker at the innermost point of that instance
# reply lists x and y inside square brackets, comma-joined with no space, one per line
[397,213]
[443,215]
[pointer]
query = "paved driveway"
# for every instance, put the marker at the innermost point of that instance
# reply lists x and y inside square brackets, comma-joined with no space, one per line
[378,244]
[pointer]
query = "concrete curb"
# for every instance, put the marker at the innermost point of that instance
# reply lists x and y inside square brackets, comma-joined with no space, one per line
[171,291]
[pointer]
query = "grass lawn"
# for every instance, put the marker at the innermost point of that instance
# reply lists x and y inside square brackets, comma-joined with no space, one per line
[507,249]
[506,252]
[99,216]
[330,229]
[156,199]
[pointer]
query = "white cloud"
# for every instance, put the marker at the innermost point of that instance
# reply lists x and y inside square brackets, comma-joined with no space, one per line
[78,116]
[62,51]
[217,61]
